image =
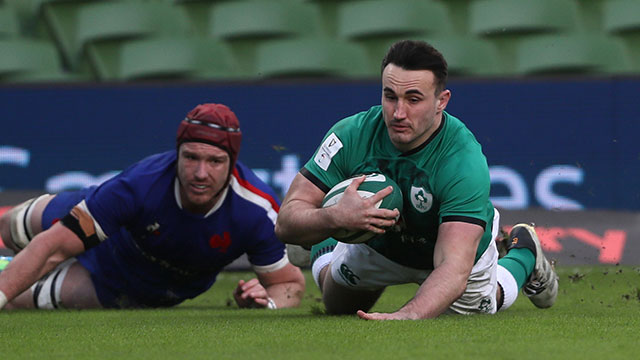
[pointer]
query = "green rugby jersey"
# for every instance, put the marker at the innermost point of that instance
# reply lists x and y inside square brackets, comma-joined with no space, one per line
[444,179]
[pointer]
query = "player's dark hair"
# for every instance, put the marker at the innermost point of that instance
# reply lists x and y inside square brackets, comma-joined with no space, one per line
[418,55]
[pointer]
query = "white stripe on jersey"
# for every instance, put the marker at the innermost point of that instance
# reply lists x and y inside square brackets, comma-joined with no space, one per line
[101,234]
[253,198]
[273,267]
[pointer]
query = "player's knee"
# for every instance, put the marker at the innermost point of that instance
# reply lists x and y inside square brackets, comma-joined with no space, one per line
[5,229]
[339,300]
[16,225]
[47,292]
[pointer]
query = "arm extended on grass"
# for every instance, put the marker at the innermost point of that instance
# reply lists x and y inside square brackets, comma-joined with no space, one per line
[454,255]
[43,254]
[284,287]
[302,220]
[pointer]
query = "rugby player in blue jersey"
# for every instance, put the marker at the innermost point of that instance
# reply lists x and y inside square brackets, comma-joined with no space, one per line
[154,235]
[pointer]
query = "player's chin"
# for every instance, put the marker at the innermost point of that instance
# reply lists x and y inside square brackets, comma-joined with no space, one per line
[200,197]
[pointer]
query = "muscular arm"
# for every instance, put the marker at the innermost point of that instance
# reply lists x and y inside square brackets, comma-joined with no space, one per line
[454,256]
[43,254]
[284,286]
[302,220]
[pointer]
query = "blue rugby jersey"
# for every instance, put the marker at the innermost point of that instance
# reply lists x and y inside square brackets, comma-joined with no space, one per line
[158,254]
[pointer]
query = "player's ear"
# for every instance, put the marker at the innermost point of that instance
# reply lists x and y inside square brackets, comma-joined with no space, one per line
[443,100]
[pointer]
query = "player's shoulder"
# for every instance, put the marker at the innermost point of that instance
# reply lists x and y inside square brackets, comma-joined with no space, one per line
[458,130]
[248,186]
[459,148]
[154,164]
[144,175]
[360,119]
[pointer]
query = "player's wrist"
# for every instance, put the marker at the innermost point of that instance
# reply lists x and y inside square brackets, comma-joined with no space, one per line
[271,305]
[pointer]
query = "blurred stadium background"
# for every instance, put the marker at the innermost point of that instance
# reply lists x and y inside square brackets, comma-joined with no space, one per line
[550,88]
[82,40]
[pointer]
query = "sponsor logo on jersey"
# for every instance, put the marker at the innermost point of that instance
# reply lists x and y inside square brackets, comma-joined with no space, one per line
[348,276]
[327,151]
[221,243]
[421,199]
[153,228]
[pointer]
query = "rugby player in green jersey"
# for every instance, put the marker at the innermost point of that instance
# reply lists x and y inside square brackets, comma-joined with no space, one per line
[444,237]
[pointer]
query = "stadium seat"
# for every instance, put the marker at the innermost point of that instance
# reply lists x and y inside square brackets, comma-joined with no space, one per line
[507,22]
[74,24]
[458,11]
[328,10]
[375,24]
[312,57]
[199,14]
[20,56]
[245,24]
[27,17]
[503,17]
[468,56]
[266,19]
[9,26]
[162,58]
[571,54]
[45,77]
[621,18]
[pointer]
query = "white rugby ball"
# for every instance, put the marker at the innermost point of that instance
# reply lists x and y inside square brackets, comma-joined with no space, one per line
[371,185]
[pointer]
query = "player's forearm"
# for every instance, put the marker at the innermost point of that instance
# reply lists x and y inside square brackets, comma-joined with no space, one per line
[302,224]
[443,286]
[287,294]
[26,268]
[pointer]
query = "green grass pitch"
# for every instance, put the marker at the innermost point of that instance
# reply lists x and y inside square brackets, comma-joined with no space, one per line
[597,316]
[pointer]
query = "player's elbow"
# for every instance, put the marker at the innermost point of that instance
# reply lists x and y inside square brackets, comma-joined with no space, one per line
[283,232]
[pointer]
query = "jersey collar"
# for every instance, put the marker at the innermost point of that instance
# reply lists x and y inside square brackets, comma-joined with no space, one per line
[426,142]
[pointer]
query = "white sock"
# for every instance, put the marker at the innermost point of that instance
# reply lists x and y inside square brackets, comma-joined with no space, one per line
[509,287]
[318,265]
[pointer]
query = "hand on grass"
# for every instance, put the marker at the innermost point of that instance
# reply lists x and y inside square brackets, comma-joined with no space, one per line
[386,316]
[251,294]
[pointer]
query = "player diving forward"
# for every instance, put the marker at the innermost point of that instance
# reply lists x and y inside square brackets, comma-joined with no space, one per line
[445,238]
[154,235]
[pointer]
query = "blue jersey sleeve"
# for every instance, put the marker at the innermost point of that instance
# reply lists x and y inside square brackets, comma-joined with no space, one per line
[118,201]
[259,213]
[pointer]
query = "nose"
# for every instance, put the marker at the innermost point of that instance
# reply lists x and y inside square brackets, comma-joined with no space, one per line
[201,170]
[400,110]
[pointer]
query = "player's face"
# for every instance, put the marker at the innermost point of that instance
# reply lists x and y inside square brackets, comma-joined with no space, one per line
[411,109]
[202,170]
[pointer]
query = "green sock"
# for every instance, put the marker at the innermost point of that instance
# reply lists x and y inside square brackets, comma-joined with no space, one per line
[520,263]
[321,248]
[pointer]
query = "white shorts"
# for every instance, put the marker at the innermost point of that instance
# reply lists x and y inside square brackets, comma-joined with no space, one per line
[357,266]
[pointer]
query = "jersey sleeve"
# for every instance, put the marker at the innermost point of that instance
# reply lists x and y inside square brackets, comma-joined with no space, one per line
[119,201]
[330,163]
[267,252]
[113,204]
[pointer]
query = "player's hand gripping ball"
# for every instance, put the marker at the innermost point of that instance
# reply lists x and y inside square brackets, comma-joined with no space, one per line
[371,185]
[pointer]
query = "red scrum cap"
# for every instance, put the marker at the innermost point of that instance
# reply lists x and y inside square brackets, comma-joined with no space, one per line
[213,124]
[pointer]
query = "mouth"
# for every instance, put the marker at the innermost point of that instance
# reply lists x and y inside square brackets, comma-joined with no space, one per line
[397,127]
[198,189]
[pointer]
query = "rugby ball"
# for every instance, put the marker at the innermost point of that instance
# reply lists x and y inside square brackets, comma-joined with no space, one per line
[371,185]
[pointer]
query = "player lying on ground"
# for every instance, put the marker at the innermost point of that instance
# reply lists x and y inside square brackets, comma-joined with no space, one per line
[444,238]
[154,235]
